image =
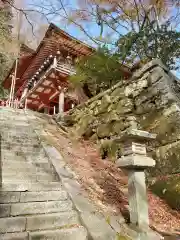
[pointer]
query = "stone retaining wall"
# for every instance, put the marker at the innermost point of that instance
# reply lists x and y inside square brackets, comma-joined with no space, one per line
[148,101]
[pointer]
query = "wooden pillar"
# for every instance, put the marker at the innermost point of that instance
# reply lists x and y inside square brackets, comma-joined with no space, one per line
[61,102]
[25,104]
[46,110]
[24,93]
[55,62]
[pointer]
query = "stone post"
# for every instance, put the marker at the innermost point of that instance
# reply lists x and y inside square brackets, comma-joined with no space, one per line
[135,160]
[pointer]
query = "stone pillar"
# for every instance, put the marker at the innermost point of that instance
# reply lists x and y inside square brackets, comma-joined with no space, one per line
[135,160]
[137,198]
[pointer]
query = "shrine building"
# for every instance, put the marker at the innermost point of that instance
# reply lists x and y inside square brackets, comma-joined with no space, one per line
[42,75]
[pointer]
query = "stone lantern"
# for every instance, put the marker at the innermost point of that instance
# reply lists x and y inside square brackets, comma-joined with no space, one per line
[135,160]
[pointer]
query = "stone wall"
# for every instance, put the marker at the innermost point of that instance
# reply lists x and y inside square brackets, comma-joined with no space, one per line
[149,101]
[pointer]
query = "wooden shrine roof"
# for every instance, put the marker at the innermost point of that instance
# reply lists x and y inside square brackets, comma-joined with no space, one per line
[55,39]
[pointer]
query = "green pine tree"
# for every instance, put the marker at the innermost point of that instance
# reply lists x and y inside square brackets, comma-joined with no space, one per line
[98,72]
[153,41]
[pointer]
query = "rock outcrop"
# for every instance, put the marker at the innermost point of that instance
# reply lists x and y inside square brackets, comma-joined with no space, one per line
[148,101]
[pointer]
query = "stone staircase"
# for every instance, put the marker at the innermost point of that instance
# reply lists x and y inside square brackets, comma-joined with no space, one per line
[33,203]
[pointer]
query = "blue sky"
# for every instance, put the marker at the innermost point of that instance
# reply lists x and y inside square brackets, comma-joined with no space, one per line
[91,28]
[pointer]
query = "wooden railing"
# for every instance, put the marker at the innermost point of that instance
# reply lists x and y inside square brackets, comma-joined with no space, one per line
[65,68]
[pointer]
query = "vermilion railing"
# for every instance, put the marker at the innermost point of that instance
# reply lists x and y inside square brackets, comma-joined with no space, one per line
[7,103]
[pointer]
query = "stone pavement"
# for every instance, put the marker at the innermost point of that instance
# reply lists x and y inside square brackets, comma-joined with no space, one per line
[39,198]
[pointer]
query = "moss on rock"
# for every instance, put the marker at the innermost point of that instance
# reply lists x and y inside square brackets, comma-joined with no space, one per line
[83,125]
[103,106]
[168,188]
[109,148]
[118,126]
[118,93]
[124,106]
[104,130]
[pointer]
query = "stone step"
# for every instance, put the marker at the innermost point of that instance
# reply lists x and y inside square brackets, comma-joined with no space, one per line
[13,133]
[29,178]
[5,210]
[67,234]
[11,186]
[4,109]
[12,197]
[64,234]
[20,141]
[17,116]
[26,165]
[12,224]
[78,233]
[12,157]
[23,143]
[16,119]
[52,221]
[12,128]
[21,148]
[11,114]
[14,236]
[43,196]
[28,155]
[14,116]
[9,131]
[26,176]
[11,167]
[38,158]
[12,124]
[9,197]
[41,161]
[19,152]
[30,208]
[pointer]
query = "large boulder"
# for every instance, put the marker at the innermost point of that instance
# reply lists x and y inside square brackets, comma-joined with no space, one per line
[84,124]
[104,130]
